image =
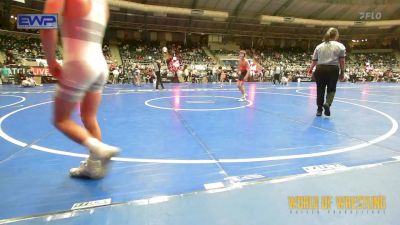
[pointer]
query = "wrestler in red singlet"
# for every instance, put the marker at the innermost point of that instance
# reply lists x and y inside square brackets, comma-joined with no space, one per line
[244,69]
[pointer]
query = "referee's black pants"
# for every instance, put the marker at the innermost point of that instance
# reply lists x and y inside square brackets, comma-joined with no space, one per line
[326,77]
[276,78]
[159,81]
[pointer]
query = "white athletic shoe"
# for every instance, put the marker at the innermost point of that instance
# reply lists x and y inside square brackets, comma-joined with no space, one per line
[243,98]
[92,169]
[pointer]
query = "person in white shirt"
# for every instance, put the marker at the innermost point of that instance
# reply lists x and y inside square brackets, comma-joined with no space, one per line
[136,76]
[115,73]
[329,59]
[277,74]
[29,82]
[284,81]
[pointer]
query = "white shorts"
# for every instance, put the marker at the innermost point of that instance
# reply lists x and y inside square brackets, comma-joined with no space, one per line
[79,78]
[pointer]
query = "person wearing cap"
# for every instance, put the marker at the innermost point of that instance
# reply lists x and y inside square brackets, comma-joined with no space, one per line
[329,59]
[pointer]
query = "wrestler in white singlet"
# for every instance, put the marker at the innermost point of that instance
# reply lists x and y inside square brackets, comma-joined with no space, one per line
[85,68]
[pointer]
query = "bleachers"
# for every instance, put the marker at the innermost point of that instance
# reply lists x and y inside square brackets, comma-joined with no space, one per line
[23,51]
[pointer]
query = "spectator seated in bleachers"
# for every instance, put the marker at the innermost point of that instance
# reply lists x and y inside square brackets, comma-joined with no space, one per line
[19,47]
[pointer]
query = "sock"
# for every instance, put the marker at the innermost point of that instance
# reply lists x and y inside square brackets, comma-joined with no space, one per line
[99,149]
[92,144]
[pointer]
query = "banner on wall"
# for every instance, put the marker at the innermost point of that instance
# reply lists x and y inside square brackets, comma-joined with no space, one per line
[18,70]
[24,70]
[40,71]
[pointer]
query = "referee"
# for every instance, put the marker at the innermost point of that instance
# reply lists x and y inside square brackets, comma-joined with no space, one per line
[157,70]
[329,59]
